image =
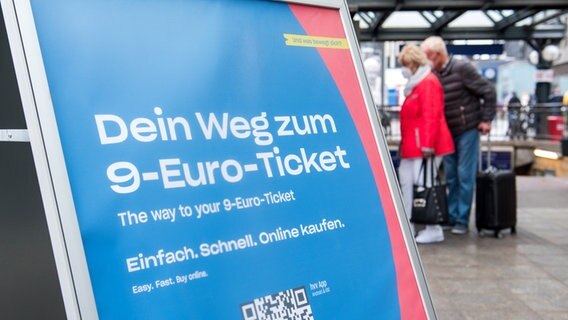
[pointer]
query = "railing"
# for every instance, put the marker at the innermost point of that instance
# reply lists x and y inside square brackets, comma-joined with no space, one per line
[544,121]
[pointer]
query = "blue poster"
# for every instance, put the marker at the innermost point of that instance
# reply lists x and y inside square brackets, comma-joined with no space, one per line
[221,162]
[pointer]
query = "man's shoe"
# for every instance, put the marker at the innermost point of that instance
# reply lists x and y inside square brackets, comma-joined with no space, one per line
[447,227]
[430,234]
[459,229]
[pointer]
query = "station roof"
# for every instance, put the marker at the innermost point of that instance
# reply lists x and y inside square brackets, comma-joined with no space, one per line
[393,20]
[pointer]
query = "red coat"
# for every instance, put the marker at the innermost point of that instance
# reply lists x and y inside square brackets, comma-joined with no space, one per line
[422,121]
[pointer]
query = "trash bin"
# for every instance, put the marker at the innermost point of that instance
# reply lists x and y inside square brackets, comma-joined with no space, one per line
[555,127]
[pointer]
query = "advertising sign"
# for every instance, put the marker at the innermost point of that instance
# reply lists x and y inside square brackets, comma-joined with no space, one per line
[501,158]
[216,160]
[544,75]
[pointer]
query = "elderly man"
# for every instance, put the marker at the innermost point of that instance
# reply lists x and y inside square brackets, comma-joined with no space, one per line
[469,106]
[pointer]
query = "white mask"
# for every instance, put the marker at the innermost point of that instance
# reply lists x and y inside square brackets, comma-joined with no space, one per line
[406,72]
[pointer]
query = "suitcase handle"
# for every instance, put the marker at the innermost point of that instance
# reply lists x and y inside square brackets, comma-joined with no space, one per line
[490,168]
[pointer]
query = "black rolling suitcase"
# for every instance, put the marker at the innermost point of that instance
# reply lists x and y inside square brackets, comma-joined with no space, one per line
[495,199]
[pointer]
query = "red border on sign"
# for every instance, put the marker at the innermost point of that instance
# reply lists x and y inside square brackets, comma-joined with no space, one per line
[323,22]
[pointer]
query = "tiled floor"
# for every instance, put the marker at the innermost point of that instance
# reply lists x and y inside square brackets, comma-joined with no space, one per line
[523,276]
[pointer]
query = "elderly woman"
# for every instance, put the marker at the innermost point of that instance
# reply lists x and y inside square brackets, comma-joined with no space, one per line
[424,132]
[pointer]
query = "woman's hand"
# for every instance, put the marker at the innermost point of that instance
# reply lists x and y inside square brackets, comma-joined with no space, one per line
[427,153]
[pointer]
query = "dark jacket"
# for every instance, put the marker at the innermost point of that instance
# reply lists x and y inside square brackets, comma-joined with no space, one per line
[468,98]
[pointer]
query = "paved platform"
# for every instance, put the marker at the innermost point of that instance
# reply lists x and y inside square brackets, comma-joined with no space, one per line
[523,276]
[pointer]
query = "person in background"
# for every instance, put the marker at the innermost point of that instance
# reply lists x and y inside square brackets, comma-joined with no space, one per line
[555,99]
[424,132]
[555,95]
[513,111]
[470,105]
[514,99]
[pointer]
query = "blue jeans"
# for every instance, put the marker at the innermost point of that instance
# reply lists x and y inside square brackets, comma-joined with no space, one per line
[461,172]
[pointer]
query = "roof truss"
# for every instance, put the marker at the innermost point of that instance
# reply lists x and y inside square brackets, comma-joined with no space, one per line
[505,24]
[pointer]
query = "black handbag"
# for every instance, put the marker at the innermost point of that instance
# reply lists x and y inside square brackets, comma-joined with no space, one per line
[429,204]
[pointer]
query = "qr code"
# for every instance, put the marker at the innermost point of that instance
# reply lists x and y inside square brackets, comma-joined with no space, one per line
[290,304]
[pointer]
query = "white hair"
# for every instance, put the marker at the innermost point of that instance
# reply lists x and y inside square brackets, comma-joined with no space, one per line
[435,44]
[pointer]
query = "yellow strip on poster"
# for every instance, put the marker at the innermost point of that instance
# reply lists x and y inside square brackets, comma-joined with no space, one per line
[298,40]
